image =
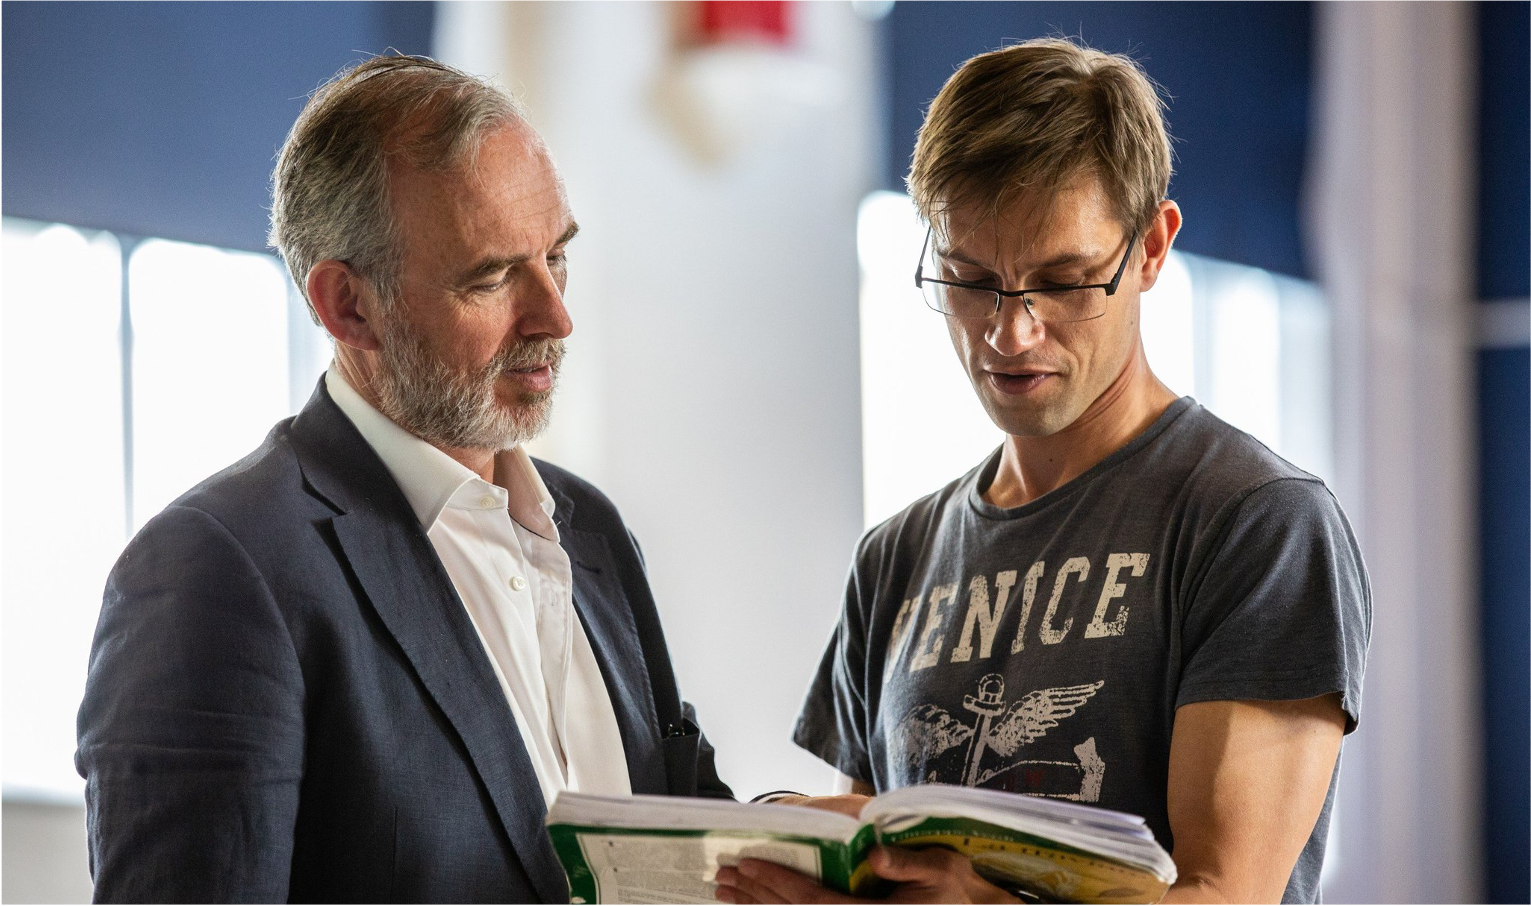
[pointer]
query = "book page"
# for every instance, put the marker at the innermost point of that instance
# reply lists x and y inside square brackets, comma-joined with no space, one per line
[938,798]
[686,813]
[1098,832]
[665,868]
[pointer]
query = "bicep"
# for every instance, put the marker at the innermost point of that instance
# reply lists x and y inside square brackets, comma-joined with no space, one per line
[1247,781]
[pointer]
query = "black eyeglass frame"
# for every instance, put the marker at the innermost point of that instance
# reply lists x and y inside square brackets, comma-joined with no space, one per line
[1001,294]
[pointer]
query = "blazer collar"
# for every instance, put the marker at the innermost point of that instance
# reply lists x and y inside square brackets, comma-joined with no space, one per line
[403,579]
[604,611]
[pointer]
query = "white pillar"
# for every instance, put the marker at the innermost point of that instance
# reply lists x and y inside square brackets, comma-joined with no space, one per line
[1392,203]
[712,385]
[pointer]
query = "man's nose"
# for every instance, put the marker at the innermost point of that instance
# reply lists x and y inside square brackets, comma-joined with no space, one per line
[542,312]
[1014,328]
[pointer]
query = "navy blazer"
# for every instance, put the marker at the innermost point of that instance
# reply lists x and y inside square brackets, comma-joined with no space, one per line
[288,701]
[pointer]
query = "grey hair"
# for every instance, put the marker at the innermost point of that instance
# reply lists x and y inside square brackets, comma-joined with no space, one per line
[329,191]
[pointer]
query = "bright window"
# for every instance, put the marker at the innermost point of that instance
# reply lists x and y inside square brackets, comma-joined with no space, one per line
[106,420]
[62,519]
[209,363]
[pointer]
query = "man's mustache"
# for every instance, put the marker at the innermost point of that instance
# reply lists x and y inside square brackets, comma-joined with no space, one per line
[528,354]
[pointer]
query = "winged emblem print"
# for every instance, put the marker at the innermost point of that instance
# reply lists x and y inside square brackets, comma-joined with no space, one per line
[928,731]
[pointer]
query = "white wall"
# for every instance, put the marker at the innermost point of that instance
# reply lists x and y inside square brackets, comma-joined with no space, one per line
[712,388]
[44,854]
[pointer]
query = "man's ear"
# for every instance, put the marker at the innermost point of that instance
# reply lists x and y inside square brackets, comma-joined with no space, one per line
[345,303]
[1157,240]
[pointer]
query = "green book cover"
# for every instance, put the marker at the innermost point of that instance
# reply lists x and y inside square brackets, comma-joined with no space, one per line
[658,865]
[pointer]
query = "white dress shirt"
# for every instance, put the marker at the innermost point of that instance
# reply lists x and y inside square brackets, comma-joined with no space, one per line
[500,548]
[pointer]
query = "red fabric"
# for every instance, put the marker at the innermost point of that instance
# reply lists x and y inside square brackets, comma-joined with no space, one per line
[730,20]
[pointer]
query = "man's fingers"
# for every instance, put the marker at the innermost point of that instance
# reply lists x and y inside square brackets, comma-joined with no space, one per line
[736,888]
[848,804]
[745,889]
[728,894]
[767,882]
[928,865]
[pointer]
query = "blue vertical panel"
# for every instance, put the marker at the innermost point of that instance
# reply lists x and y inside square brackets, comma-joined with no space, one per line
[1504,151]
[1504,412]
[1238,80]
[1504,376]
[163,119]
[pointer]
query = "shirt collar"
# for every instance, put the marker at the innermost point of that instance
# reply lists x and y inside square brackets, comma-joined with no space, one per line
[432,480]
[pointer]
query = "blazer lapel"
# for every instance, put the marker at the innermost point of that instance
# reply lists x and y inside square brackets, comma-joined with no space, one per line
[608,622]
[407,586]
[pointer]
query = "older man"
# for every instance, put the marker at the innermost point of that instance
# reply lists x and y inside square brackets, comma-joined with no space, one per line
[1129,603]
[357,664]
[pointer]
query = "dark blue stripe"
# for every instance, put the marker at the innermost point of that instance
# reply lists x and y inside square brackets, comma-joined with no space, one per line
[1504,411]
[163,119]
[1504,151]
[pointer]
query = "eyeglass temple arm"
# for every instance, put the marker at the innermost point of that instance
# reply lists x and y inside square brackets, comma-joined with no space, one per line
[1121,269]
[919,266]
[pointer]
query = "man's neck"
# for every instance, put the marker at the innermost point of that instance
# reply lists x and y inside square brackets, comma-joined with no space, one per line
[359,375]
[1032,466]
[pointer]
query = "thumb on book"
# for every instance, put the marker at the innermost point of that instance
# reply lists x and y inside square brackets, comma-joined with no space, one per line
[897,863]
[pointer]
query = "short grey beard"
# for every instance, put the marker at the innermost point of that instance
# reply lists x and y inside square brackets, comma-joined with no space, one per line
[451,409]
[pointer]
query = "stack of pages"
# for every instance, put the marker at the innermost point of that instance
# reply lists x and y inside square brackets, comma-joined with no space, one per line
[663,849]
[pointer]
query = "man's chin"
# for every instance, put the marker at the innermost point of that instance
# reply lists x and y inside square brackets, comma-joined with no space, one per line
[524,421]
[514,426]
[1030,421]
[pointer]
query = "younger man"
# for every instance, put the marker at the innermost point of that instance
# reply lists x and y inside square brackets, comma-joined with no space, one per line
[1129,603]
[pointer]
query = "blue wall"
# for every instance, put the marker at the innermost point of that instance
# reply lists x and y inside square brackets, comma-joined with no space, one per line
[1504,265]
[1504,446]
[1505,525]
[163,119]
[1238,79]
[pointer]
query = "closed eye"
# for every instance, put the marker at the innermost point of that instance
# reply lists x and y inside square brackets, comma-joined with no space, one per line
[971,278]
[504,278]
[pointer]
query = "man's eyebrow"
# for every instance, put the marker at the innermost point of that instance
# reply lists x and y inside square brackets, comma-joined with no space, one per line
[499,263]
[954,255]
[1064,259]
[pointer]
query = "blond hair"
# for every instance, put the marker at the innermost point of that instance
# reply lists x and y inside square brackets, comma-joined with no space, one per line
[329,191]
[1032,117]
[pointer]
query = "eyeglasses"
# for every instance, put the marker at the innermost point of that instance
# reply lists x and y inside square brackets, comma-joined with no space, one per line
[1052,304]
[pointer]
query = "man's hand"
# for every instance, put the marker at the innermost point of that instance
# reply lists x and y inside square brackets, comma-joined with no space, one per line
[931,875]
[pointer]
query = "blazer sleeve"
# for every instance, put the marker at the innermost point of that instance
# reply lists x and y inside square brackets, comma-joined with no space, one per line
[191,732]
[708,783]
[691,762]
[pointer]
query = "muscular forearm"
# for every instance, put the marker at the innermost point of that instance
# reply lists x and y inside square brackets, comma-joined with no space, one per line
[1203,889]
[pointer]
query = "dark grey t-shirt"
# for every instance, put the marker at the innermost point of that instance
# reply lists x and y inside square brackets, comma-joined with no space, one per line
[1044,649]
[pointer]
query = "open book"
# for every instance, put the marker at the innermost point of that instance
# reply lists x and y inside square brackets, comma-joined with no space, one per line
[663,849]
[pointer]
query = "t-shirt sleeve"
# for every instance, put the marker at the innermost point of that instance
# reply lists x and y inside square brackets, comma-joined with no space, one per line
[1282,608]
[833,723]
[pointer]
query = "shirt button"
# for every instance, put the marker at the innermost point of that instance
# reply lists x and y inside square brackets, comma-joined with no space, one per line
[486,501]
[517,583]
